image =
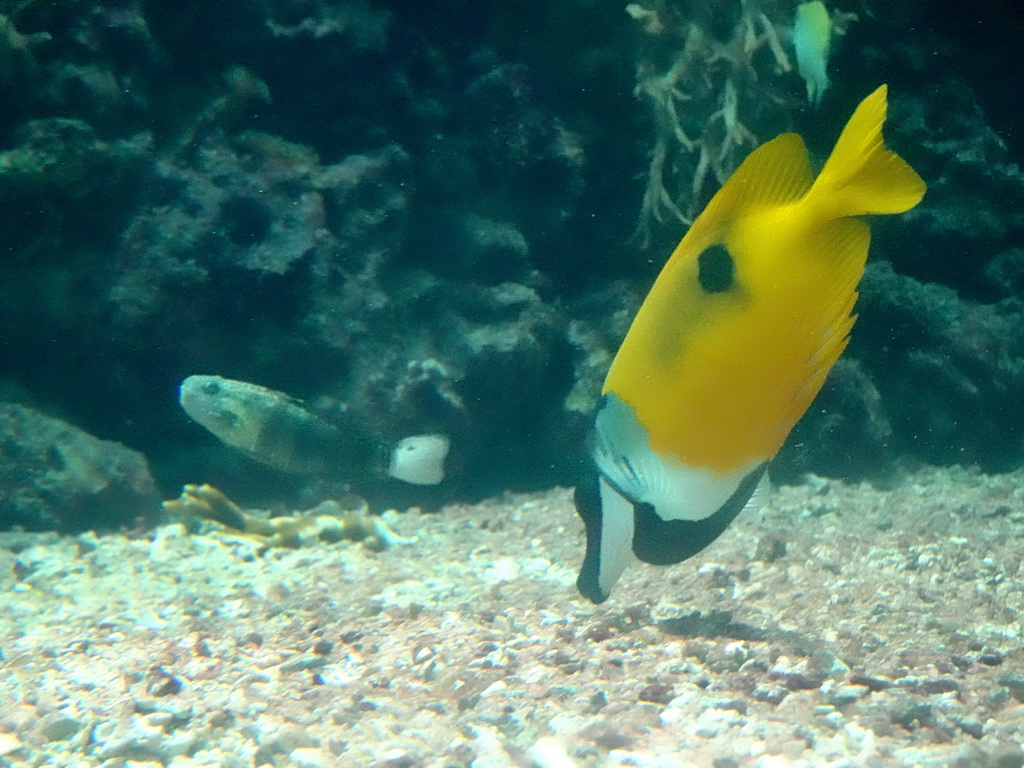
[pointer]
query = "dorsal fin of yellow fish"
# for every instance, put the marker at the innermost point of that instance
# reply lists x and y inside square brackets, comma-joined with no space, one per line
[776,173]
[861,175]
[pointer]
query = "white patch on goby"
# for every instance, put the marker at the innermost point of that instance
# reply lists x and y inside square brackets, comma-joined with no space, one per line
[419,459]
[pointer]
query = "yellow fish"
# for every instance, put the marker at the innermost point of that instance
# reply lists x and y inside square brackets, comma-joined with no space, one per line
[731,345]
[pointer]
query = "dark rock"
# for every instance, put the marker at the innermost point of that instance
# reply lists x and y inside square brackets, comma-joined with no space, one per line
[657,693]
[712,625]
[597,702]
[844,695]
[770,694]
[605,734]
[1014,681]
[162,683]
[323,647]
[971,726]
[936,686]
[960,662]
[54,476]
[796,681]
[873,684]
[770,548]
[912,712]
[736,705]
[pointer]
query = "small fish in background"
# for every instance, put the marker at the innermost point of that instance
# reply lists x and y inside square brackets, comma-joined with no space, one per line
[731,345]
[279,431]
[812,39]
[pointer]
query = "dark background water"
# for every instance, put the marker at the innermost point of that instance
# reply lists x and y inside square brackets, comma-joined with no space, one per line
[432,215]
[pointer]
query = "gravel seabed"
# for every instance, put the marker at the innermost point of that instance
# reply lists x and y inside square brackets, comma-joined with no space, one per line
[841,626]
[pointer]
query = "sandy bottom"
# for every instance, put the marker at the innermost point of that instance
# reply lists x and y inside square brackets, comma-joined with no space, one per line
[841,626]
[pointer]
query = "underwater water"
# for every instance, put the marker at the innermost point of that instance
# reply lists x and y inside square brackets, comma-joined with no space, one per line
[331,426]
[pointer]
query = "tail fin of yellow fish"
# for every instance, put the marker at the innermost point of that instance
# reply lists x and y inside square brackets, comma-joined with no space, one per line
[861,175]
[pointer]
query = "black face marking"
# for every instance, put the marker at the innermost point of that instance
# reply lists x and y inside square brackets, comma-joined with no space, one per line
[715,269]
[588,506]
[228,418]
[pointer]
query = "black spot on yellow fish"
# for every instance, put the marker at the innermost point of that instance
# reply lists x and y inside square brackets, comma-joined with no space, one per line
[715,269]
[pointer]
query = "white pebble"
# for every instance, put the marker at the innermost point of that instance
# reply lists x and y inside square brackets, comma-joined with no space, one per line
[548,752]
[9,743]
[308,757]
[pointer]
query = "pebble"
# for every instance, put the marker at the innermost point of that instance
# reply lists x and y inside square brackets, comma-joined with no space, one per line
[59,726]
[168,543]
[9,743]
[301,663]
[288,738]
[133,737]
[841,695]
[488,750]
[309,757]
[549,752]
[834,719]
[800,709]
[771,694]
[712,722]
